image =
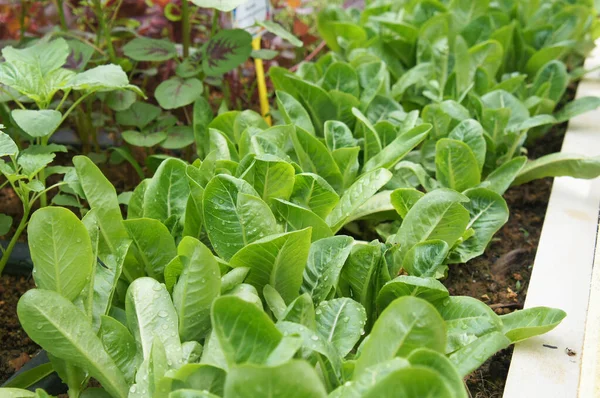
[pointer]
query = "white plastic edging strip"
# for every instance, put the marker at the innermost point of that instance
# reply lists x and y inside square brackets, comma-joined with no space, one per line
[589,383]
[562,269]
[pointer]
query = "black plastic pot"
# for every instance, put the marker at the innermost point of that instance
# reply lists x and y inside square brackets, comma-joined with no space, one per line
[52,384]
[20,264]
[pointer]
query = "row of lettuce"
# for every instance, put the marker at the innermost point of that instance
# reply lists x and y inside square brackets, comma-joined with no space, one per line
[314,247]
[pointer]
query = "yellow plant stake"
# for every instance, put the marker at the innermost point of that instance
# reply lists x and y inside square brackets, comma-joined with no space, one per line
[262,84]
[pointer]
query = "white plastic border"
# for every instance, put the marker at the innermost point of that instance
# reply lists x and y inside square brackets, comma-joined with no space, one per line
[562,275]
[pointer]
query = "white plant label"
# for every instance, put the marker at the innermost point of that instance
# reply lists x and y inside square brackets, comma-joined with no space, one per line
[247,14]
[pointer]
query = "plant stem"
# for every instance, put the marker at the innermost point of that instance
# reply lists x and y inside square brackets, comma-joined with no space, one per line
[112,55]
[185,27]
[23,28]
[15,238]
[215,22]
[61,15]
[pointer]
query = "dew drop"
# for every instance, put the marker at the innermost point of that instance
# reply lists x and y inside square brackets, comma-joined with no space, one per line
[162,314]
[346,319]
[318,311]
[156,287]
[132,389]
[446,302]
[314,337]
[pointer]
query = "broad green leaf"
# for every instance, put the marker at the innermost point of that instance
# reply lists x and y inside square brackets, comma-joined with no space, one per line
[274,301]
[342,77]
[488,212]
[559,164]
[147,49]
[31,163]
[313,192]
[371,140]
[271,177]
[225,51]
[178,137]
[5,223]
[470,132]
[61,251]
[120,345]
[467,319]
[56,324]
[369,379]
[312,343]
[144,139]
[425,288]
[425,258]
[245,332]
[200,376]
[155,244]
[501,99]
[397,149]
[245,119]
[37,123]
[293,112]
[237,215]
[325,261]
[221,5]
[7,146]
[296,217]
[17,393]
[202,116]
[280,31]
[317,102]
[44,56]
[151,316]
[177,92]
[338,135]
[188,393]
[361,271]
[501,178]
[406,324]
[523,324]
[315,158]
[551,81]
[577,107]
[472,356]
[197,287]
[120,100]
[356,195]
[376,207]
[341,321]
[442,365]
[250,381]
[139,114]
[543,56]
[403,199]
[167,192]
[455,165]
[101,78]
[301,311]
[277,260]
[437,215]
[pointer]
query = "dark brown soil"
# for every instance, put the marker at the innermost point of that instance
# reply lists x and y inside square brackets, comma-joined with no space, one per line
[500,277]
[15,347]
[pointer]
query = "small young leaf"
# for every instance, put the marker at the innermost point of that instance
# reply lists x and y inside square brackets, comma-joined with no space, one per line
[278,30]
[523,324]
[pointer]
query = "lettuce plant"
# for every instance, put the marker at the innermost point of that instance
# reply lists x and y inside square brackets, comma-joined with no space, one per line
[237,320]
